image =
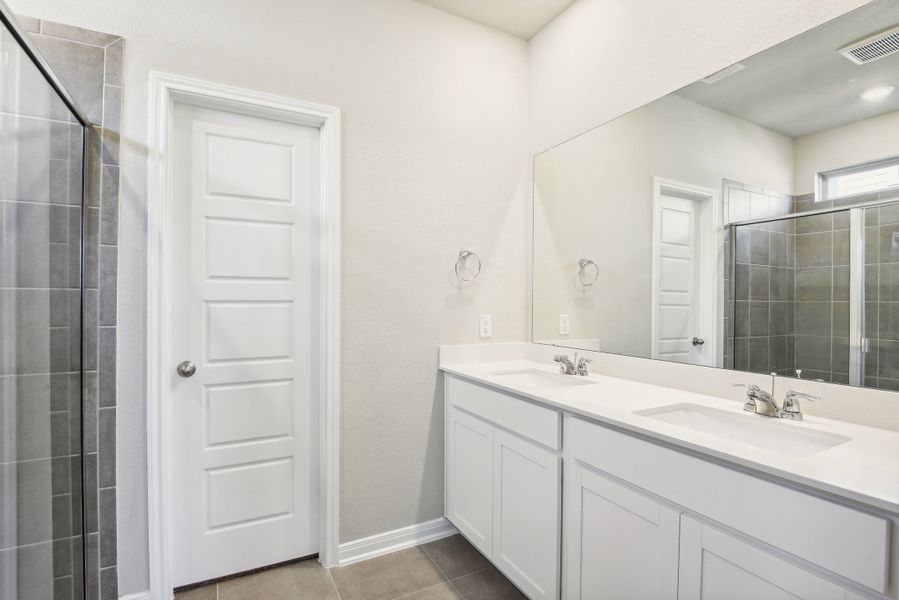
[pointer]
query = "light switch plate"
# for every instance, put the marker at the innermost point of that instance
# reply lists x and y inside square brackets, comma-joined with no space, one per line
[485,326]
[564,325]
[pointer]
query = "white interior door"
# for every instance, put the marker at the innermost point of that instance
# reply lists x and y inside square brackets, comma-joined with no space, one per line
[244,452]
[678,280]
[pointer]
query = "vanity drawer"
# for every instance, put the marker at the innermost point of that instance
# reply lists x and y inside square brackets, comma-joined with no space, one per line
[518,415]
[843,540]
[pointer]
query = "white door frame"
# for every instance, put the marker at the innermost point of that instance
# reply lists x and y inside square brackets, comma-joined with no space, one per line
[710,260]
[165,90]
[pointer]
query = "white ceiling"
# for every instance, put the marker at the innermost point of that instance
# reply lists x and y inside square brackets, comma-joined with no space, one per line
[522,18]
[804,86]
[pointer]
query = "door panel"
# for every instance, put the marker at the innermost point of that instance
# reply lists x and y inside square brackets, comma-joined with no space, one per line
[469,471]
[620,543]
[715,565]
[245,425]
[526,517]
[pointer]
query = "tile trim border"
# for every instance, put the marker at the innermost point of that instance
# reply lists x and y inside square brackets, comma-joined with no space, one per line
[392,541]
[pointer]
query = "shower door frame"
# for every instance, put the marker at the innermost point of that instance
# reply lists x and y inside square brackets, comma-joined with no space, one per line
[857,340]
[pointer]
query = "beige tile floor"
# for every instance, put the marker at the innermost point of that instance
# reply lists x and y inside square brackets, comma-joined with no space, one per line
[448,569]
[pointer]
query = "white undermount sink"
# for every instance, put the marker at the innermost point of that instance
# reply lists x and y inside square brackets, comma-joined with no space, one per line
[539,379]
[751,430]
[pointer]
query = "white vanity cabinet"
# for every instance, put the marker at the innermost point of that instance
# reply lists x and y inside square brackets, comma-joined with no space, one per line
[503,482]
[645,521]
[640,519]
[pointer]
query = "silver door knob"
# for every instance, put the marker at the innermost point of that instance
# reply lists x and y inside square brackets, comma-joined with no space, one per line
[186,368]
[698,341]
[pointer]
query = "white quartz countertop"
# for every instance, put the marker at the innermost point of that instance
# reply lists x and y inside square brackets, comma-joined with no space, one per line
[864,469]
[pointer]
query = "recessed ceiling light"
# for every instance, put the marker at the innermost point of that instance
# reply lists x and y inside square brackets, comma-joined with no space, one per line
[878,93]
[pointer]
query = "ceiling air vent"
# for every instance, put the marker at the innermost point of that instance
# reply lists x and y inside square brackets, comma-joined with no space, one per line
[873,48]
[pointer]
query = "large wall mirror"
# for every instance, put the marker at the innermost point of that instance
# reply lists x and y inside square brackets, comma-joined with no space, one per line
[749,220]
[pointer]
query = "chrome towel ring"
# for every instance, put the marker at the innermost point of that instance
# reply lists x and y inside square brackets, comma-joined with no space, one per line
[587,271]
[462,272]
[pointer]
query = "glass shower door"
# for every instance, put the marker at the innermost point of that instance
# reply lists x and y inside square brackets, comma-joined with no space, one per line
[817,296]
[880,338]
[41,550]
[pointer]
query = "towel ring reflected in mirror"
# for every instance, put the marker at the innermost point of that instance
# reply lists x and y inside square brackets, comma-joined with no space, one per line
[587,271]
[462,272]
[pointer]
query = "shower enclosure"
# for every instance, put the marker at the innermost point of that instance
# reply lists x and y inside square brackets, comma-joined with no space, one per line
[42,137]
[816,295]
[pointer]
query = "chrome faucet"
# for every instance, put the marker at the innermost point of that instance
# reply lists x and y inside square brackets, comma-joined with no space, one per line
[759,401]
[762,403]
[566,367]
[791,409]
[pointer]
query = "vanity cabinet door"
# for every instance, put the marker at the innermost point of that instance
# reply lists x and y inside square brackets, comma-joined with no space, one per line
[715,565]
[618,542]
[469,477]
[526,514]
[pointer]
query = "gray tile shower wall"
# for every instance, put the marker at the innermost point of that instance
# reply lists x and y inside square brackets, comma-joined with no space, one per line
[818,332]
[40,338]
[89,64]
[822,296]
[763,301]
[882,294]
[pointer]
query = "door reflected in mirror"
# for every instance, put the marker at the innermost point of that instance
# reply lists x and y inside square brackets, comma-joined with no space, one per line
[749,220]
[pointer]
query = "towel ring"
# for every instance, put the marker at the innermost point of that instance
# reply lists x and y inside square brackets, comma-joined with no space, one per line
[464,255]
[587,271]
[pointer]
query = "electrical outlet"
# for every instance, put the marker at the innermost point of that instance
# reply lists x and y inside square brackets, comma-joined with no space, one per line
[564,325]
[486,326]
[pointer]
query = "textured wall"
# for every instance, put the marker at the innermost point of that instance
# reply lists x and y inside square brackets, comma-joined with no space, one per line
[434,160]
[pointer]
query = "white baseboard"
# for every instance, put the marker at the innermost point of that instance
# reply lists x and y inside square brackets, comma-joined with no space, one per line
[391,541]
[137,596]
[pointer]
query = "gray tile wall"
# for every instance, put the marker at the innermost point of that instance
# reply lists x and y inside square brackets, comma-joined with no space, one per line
[764,304]
[882,295]
[822,295]
[40,337]
[818,311]
[763,307]
[89,64]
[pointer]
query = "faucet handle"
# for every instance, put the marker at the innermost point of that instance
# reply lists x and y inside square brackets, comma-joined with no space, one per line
[793,394]
[751,391]
[566,367]
[791,408]
[751,388]
[581,367]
